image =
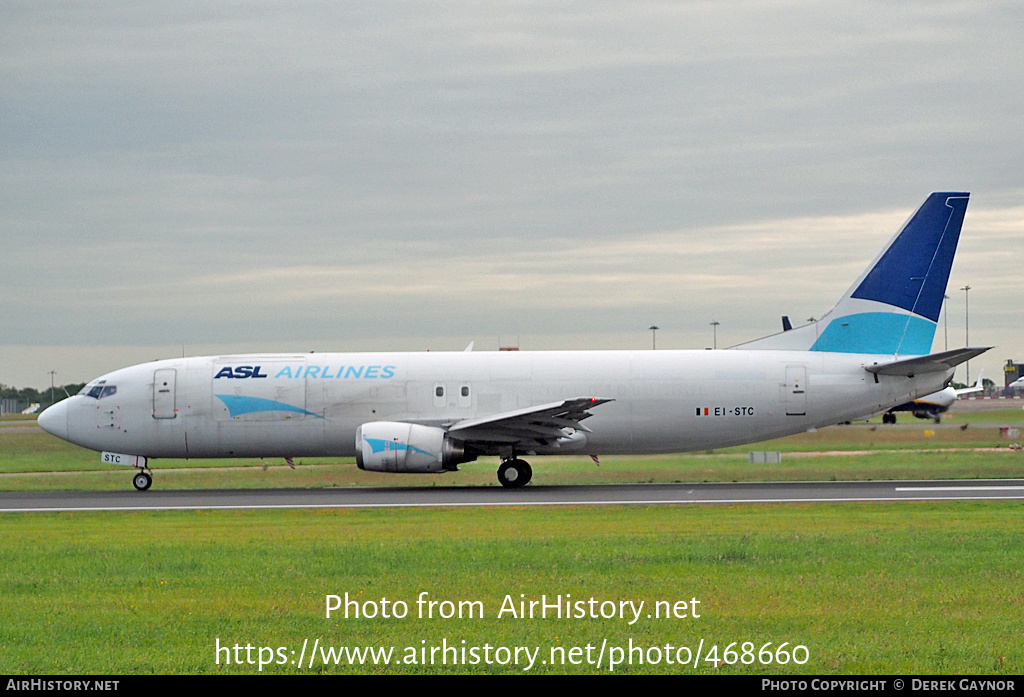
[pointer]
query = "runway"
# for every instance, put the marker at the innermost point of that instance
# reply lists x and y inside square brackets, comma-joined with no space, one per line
[426,497]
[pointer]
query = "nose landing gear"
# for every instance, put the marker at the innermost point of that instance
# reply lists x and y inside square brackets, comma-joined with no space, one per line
[142,480]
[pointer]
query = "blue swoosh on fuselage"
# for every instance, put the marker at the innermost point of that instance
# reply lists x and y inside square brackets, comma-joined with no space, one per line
[239,405]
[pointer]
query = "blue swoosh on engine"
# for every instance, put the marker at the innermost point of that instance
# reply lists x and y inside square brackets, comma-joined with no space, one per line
[379,445]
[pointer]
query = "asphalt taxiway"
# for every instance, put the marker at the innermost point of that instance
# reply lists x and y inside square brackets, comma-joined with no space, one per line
[605,495]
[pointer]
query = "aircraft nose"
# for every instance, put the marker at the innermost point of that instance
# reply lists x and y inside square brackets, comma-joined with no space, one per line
[54,420]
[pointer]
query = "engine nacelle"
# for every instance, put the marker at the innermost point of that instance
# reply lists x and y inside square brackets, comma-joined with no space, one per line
[391,446]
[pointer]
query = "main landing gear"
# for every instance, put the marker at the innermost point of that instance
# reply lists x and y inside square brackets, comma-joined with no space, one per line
[142,480]
[514,473]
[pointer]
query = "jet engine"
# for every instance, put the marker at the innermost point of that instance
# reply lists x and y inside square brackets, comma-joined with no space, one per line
[391,446]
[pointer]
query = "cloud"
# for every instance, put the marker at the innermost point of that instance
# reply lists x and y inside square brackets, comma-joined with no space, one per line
[364,172]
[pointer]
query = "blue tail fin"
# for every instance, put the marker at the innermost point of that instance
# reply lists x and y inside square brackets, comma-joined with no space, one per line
[894,306]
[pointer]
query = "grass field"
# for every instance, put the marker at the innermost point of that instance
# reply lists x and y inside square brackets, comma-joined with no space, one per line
[909,588]
[904,589]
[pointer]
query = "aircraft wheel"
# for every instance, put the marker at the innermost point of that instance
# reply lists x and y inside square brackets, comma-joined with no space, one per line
[888,418]
[142,481]
[514,474]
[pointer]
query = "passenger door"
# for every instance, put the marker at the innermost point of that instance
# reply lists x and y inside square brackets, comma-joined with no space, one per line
[164,394]
[795,395]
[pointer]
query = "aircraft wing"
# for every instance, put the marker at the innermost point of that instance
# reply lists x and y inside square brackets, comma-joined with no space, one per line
[541,425]
[933,363]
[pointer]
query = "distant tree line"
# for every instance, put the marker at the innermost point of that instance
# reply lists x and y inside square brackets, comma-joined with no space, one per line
[31,395]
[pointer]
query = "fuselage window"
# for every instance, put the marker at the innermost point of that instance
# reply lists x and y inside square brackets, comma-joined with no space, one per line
[465,390]
[439,391]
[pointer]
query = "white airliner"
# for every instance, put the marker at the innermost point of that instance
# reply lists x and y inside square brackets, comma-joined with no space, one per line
[932,406]
[431,412]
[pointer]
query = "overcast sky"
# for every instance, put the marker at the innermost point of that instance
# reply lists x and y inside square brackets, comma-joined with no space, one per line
[218,177]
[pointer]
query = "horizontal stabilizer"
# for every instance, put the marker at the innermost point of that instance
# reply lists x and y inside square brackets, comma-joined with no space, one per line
[979,386]
[934,363]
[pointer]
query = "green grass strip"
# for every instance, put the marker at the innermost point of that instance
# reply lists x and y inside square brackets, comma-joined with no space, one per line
[913,588]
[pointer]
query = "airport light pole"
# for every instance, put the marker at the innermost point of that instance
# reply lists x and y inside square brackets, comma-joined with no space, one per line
[967,326]
[52,373]
[714,331]
[654,336]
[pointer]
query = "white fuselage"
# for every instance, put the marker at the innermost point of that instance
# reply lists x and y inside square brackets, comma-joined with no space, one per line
[664,401]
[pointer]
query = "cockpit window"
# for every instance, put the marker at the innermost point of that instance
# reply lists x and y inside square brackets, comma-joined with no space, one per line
[99,390]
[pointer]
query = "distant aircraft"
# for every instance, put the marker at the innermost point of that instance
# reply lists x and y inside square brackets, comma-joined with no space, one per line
[431,412]
[932,406]
[1017,384]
